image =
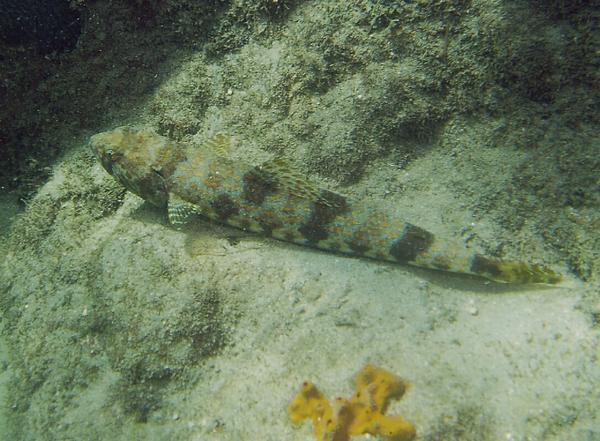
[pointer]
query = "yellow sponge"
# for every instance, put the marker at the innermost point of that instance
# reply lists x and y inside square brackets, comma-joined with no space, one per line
[361,414]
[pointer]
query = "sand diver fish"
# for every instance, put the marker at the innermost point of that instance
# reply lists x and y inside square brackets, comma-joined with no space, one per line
[273,199]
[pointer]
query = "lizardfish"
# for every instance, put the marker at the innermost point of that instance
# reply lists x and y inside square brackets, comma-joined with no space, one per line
[274,199]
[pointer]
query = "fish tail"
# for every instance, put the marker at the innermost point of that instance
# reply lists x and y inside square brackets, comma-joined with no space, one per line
[446,256]
[375,235]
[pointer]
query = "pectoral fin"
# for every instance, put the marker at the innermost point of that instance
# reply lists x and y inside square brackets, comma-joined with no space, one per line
[180,211]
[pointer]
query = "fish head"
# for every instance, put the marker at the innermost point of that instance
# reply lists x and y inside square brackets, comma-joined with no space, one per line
[141,160]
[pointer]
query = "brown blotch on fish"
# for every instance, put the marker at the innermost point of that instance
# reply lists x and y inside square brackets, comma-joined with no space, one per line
[268,222]
[324,210]
[258,185]
[484,265]
[224,207]
[414,240]
[359,244]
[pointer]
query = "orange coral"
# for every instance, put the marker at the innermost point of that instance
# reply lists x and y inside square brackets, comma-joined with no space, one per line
[362,413]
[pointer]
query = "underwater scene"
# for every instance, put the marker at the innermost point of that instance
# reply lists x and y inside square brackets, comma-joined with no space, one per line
[300,220]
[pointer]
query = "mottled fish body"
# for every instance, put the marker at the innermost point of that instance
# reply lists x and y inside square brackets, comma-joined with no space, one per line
[274,200]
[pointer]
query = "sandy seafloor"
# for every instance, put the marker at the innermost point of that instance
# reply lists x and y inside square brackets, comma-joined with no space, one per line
[117,326]
[484,361]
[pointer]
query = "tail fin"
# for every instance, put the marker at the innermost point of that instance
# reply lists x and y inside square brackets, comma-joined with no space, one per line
[419,247]
[456,258]
[512,271]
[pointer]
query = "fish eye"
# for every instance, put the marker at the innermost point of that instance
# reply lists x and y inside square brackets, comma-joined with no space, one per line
[111,156]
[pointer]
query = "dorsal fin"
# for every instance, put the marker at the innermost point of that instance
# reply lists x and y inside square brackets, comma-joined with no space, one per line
[292,180]
[220,144]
